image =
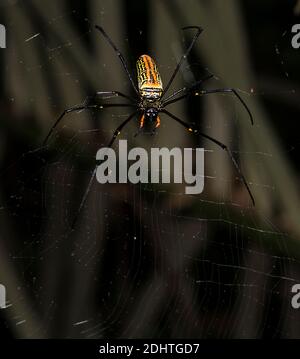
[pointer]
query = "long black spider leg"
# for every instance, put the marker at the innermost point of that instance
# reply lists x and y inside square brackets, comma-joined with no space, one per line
[80,108]
[119,129]
[184,56]
[84,198]
[207,92]
[91,100]
[112,94]
[184,89]
[230,90]
[195,131]
[119,54]
[87,191]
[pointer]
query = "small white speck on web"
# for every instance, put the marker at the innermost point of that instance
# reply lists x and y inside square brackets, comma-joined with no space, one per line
[80,323]
[32,37]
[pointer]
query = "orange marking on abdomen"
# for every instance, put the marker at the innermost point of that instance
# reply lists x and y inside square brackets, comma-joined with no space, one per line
[153,72]
[148,74]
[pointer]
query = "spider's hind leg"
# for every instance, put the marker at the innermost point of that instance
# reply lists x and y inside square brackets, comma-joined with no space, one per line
[194,130]
[141,126]
[157,122]
[142,121]
[93,175]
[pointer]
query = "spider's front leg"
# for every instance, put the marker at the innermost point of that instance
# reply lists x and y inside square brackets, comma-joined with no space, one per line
[194,91]
[83,107]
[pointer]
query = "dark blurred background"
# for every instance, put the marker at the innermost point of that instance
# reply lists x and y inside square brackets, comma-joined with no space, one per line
[149,261]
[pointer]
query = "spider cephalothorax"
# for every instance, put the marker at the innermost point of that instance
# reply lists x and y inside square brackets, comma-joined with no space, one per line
[150,101]
[150,120]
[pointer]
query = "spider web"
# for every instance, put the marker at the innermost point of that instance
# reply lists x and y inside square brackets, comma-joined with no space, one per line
[143,260]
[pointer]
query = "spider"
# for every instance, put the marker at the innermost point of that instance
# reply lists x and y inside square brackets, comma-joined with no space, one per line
[151,100]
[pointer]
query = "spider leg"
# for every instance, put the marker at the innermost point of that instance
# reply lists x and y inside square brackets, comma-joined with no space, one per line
[184,56]
[184,89]
[112,94]
[157,122]
[207,92]
[83,200]
[233,91]
[81,108]
[87,191]
[119,129]
[142,122]
[195,131]
[119,54]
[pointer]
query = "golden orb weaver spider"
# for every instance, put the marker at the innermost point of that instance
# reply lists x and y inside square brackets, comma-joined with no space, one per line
[150,101]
